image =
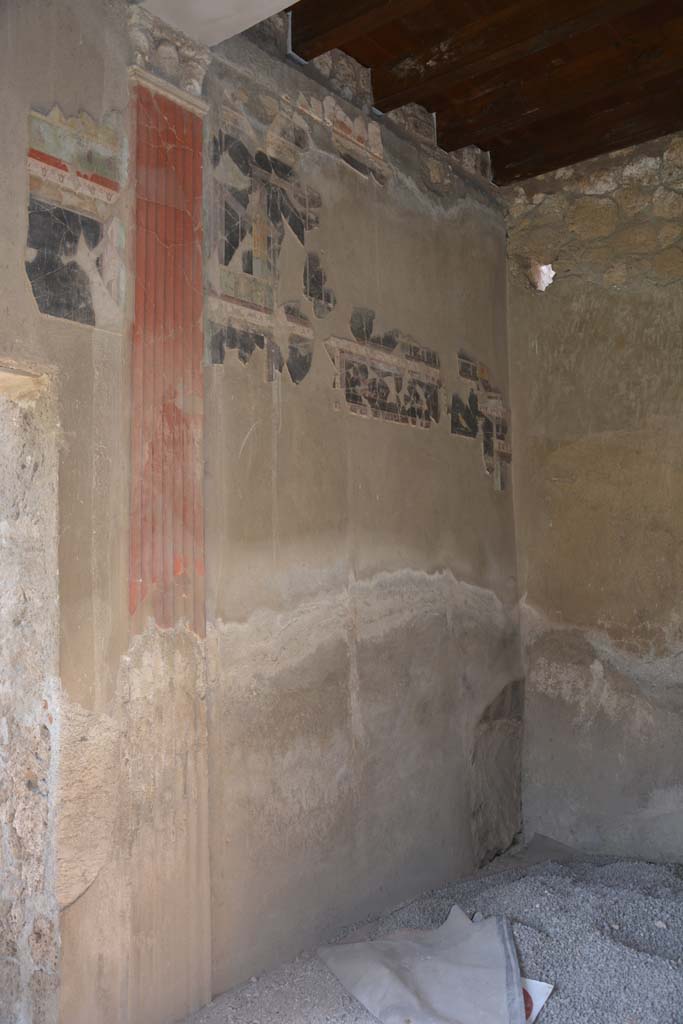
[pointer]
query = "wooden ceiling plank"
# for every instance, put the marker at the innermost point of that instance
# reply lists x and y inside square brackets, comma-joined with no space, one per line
[321,25]
[543,91]
[371,50]
[569,140]
[441,19]
[385,41]
[540,83]
[630,34]
[509,174]
[588,116]
[519,30]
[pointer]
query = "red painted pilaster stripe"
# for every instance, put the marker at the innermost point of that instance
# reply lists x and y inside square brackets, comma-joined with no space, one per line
[167,507]
[198,376]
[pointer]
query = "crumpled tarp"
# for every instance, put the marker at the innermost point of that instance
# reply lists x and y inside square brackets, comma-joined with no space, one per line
[465,972]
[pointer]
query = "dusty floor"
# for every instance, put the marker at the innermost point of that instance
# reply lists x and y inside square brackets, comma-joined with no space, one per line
[608,934]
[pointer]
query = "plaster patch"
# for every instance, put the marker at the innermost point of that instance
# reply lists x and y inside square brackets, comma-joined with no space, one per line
[89,782]
[592,692]
[133,838]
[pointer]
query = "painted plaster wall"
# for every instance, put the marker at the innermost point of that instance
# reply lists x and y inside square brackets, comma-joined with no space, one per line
[330,747]
[129,827]
[596,375]
[88,365]
[41,45]
[360,570]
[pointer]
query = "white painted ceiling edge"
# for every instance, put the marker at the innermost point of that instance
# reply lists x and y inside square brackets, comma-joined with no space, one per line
[211,21]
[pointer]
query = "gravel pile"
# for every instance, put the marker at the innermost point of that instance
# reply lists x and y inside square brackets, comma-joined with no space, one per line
[607,934]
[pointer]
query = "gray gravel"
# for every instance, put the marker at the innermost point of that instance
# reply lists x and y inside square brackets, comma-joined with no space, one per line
[607,933]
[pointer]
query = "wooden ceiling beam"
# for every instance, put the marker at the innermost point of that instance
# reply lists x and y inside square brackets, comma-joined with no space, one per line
[519,30]
[539,83]
[586,133]
[322,25]
[523,94]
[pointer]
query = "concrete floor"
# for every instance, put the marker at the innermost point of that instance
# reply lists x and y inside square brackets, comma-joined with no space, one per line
[607,933]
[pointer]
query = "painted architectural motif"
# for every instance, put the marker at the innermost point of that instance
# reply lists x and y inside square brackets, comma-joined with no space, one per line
[386,374]
[482,415]
[76,241]
[167,531]
[257,197]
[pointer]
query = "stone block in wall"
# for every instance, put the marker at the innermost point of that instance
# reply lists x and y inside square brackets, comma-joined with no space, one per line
[345,76]
[668,205]
[668,264]
[474,160]
[634,239]
[415,121]
[643,169]
[271,34]
[669,233]
[593,217]
[632,199]
[166,53]
[598,183]
[672,164]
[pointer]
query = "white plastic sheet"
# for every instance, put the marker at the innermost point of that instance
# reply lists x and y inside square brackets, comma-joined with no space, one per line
[535,997]
[465,972]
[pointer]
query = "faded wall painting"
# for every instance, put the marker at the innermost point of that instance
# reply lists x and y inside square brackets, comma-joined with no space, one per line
[258,196]
[482,415]
[386,374]
[75,241]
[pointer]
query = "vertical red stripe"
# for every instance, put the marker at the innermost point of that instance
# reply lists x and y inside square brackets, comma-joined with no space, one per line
[156,351]
[167,512]
[180,566]
[168,398]
[137,362]
[175,401]
[198,389]
[184,369]
[146,285]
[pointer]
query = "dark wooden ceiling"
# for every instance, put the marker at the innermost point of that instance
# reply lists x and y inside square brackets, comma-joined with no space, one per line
[539,83]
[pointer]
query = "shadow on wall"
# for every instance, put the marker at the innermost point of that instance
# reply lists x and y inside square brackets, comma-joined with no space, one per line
[497,774]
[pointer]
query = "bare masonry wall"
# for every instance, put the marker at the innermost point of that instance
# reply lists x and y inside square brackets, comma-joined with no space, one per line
[29,715]
[597,373]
